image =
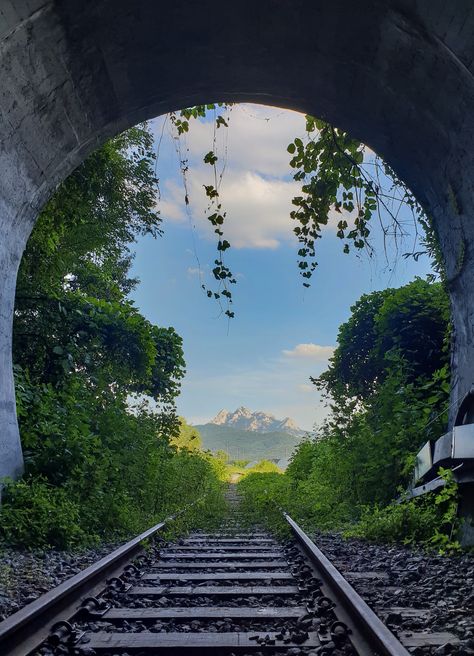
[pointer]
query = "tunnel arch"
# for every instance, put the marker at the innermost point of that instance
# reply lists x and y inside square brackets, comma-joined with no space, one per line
[396,74]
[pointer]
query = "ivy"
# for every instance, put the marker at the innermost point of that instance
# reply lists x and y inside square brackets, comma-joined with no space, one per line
[340,181]
[447,500]
[337,185]
[215,213]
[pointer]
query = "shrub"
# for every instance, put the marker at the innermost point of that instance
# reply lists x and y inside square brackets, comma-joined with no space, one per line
[34,513]
[430,520]
[264,495]
[410,522]
[96,470]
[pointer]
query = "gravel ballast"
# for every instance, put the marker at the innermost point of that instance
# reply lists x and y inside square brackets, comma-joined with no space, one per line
[390,578]
[441,586]
[25,575]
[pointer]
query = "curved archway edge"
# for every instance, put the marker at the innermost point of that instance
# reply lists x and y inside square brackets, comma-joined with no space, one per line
[397,74]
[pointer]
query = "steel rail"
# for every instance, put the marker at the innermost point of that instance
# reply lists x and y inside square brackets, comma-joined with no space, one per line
[24,631]
[376,633]
[27,628]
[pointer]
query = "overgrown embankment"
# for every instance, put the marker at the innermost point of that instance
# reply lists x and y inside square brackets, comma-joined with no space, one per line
[388,387]
[105,454]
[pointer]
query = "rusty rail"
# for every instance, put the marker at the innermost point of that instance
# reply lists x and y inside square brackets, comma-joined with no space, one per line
[25,629]
[379,638]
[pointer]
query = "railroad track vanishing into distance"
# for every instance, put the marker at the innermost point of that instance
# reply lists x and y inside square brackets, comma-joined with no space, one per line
[234,591]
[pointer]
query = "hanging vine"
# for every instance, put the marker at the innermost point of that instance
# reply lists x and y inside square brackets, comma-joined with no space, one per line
[340,181]
[215,213]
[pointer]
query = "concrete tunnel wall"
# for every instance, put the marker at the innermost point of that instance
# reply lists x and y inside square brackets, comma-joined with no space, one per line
[397,74]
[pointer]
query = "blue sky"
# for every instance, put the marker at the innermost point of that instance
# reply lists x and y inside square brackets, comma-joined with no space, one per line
[282,333]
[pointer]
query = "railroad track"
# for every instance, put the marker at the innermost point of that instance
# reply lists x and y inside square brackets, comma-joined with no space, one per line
[234,591]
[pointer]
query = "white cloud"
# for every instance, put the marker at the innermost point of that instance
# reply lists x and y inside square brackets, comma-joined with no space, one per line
[171,204]
[310,352]
[195,420]
[306,388]
[194,271]
[256,139]
[257,185]
[258,209]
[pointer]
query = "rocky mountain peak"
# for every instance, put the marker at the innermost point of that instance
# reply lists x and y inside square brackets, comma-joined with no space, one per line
[259,422]
[289,423]
[221,418]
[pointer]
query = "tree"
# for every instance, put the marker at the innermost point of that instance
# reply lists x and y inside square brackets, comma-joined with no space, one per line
[83,235]
[188,438]
[388,383]
[406,327]
[72,313]
[100,461]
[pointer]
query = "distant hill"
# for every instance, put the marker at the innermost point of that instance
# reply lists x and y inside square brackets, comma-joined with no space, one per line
[259,422]
[248,445]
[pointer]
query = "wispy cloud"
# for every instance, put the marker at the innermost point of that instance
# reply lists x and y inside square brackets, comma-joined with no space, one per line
[258,209]
[310,352]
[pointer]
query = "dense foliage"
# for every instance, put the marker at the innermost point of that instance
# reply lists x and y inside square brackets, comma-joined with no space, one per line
[388,387]
[105,452]
[96,382]
[403,328]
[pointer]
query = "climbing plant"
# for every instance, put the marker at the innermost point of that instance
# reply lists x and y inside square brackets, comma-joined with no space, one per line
[215,213]
[341,181]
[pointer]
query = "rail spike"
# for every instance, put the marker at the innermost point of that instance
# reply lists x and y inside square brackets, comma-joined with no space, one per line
[63,632]
[94,607]
[117,584]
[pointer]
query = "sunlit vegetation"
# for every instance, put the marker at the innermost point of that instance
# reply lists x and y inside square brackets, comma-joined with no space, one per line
[105,453]
[388,388]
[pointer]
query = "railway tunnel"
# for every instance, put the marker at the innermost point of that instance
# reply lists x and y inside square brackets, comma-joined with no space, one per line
[396,74]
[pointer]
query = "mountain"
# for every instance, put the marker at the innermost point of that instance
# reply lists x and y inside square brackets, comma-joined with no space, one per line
[247,445]
[259,422]
[247,435]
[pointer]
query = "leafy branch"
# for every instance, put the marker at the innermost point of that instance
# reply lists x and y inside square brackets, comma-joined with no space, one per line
[215,213]
[336,181]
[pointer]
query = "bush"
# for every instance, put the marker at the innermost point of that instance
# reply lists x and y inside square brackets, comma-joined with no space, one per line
[264,495]
[430,520]
[409,523]
[265,467]
[95,470]
[34,513]
[316,502]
